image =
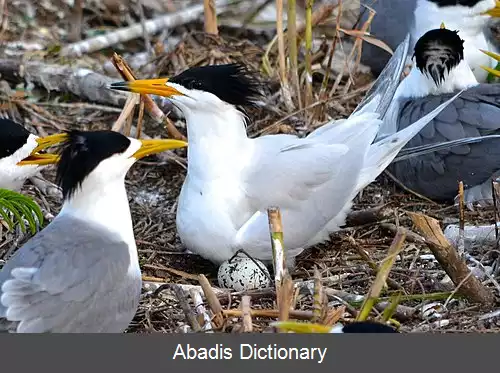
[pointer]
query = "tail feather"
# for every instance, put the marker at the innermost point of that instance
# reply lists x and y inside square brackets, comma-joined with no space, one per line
[383,152]
[379,97]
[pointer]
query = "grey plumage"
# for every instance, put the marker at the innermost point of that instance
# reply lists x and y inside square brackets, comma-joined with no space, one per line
[391,24]
[475,113]
[72,277]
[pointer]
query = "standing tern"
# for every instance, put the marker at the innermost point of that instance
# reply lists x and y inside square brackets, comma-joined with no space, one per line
[232,179]
[440,71]
[19,157]
[81,273]
[392,22]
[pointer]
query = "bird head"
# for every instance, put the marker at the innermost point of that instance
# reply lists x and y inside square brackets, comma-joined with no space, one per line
[20,156]
[437,52]
[354,327]
[467,8]
[206,88]
[95,158]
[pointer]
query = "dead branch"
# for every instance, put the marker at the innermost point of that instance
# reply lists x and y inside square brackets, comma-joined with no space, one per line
[246,314]
[368,216]
[167,21]
[451,262]
[85,83]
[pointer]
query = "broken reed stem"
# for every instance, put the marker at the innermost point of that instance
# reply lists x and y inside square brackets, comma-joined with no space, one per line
[308,37]
[278,247]
[451,262]
[201,312]
[212,301]
[318,292]
[285,85]
[393,305]
[127,112]
[140,118]
[383,272]
[273,314]
[153,110]
[461,214]
[210,17]
[285,297]
[246,314]
[292,48]
[495,193]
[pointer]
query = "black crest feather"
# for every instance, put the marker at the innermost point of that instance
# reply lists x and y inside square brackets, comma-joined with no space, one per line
[80,154]
[367,327]
[12,137]
[232,83]
[467,3]
[437,52]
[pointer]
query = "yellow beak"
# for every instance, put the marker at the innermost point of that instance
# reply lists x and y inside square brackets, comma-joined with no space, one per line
[495,56]
[35,158]
[157,146]
[147,86]
[495,12]
[301,327]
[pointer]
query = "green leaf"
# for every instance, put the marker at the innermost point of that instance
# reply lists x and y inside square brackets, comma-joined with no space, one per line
[16,208]
[491,77]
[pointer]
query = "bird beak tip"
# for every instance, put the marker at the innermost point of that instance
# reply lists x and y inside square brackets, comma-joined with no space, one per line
[155,146]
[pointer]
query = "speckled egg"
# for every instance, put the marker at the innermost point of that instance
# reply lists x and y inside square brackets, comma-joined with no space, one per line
[243,274]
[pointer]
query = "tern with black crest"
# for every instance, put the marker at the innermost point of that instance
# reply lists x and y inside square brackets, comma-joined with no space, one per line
[232,179]
[19,154]
[81,273]
[394,19]
[440,70]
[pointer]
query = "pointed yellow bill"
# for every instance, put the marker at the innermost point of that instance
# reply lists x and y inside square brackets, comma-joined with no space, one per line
[155,146]
[496,57]
[301,327]
[157,87]
[494,12]
[35,158]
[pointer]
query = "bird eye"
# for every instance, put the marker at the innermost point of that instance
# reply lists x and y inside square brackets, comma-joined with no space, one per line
[194,84]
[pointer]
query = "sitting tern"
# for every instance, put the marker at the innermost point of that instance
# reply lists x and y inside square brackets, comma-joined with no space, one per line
[81,273]
[353,327]
[19,157]
[232,179]
[393,21]
[440,71]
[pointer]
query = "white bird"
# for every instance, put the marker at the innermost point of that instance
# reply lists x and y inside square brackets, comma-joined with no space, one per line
[81,273]
[19,157]
[232,179]
[471,17]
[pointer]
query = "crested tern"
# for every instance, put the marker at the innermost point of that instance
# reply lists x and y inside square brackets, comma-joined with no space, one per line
[19,154]
[394,19]
[81,273]
[440,71]
[232,179]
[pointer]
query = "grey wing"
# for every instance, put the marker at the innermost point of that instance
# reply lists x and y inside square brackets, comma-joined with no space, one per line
[475,113]
[71,277]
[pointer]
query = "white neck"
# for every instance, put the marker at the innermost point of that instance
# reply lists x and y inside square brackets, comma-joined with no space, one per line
[217,141]
[105,204]
[417,84]
[468,21]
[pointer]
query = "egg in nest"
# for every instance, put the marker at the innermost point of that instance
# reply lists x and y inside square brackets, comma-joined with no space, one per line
[242,274]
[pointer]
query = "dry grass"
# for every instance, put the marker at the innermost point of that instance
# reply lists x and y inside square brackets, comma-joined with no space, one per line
[339,272]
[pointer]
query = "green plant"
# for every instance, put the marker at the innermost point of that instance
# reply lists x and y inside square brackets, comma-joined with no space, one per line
[16,208]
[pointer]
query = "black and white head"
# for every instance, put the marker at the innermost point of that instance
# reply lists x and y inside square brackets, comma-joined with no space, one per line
[354,327]
[93,159]
[19,157]
[438,52]
[463,8]
[206,88]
